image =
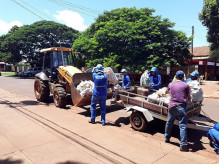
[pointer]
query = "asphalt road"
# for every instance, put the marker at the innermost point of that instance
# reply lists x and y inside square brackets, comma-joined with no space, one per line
[23,86]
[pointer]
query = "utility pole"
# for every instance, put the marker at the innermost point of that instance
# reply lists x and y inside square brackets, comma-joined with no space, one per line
[192,37]
[191,50]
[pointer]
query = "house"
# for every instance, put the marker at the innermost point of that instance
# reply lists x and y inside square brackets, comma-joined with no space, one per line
[201,62]
[6,67]
[2,66]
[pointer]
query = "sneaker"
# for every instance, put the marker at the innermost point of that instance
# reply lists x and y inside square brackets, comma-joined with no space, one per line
[92,122]
[184,149]
[167,141]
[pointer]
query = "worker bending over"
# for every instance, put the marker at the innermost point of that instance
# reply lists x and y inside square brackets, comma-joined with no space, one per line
[213,136]
[155,80]
[126,83]
[180,93]
[99,94]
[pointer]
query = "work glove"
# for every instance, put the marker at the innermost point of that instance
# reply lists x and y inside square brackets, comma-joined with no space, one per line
[151,85]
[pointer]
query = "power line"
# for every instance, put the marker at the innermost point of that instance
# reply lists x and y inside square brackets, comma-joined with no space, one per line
[36,10]
[69,7]
[81,7]
[27,9]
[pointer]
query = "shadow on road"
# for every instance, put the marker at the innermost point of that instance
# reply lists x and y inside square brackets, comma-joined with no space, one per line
[11,161]
[20,77]
[71,162]
[109,109]
[194,136]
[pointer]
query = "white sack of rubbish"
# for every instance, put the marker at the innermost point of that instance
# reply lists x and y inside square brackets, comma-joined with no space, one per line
[145,80]
[160,96]
[111,76]
[197,92]
[85,88]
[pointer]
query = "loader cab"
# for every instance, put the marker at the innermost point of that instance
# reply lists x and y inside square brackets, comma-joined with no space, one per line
[55,57]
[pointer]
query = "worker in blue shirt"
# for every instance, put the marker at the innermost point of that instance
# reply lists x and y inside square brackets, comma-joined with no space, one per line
[213,136]
[194,76]
[126,82]
[99,94]
[155,80]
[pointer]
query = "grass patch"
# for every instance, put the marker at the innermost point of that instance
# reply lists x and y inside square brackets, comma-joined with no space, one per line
[7,73]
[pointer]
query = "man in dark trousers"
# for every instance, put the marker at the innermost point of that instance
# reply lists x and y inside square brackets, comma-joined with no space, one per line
[180,93]
[99,94]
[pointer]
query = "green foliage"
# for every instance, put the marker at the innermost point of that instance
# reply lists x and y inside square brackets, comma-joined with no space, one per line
[210,18]
[7,73]
[132,38]
[25,42]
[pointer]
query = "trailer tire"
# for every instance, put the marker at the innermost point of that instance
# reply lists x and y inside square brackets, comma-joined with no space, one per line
[41,90]
[59,97]
[138,121]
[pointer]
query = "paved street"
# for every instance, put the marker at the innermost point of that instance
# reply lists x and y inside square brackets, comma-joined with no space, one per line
[33,132]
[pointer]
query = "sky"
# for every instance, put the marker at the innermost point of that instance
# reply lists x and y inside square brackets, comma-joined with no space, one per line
[79,14]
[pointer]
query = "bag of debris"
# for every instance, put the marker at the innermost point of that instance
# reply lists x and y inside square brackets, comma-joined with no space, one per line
[160,95]
[162,92]
[111,76]
[145,80]
[85,88]
[154,98]
[197,92]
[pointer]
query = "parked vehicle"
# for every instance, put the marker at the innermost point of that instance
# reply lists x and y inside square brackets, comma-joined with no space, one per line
[31,72]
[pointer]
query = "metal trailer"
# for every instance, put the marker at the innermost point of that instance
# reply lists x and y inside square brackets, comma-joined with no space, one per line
[144,110]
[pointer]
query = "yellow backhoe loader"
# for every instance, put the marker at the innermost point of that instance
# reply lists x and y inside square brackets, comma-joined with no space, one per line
[60,78]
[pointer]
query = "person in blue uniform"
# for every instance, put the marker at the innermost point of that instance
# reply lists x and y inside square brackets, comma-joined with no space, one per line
[194,76]
[126,82]
[99,94]
[155,80]
[213,136]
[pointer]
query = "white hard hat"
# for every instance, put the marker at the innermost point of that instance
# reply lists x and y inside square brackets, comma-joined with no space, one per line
[124,70]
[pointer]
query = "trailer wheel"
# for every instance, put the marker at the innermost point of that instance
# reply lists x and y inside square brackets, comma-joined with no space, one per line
[59,97]
[138,121]
[41,90]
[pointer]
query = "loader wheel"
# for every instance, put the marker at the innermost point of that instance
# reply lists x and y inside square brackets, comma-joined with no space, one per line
[138,121]
[59,97]
[41,90]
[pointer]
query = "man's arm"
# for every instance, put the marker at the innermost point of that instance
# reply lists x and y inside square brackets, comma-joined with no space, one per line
[129,81]
[188,94]
[189,97]
[168,89]
[159,82]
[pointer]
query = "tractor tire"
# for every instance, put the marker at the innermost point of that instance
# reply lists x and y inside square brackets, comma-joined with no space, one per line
[41,90]
[59,97]
[138,121]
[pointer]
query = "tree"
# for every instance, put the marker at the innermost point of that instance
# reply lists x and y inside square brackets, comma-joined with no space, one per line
[209,17]
[132,38]
[26,41]
[5,54]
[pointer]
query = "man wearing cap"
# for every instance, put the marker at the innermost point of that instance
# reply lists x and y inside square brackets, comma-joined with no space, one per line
[99,94]
[213,136]
[155,80]
[180,93]
[194,76]
[126,83]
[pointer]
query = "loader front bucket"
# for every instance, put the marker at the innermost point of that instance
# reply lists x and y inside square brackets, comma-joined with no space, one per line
[77,99]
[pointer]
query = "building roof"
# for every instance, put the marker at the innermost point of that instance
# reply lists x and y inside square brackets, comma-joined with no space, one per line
[56,49]
[201,51]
